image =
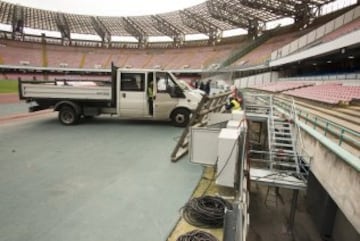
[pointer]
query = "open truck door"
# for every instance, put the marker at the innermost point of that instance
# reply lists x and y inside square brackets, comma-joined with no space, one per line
[166,98]
[132,98]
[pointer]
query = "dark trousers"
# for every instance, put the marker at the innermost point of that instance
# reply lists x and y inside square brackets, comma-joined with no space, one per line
[151,107]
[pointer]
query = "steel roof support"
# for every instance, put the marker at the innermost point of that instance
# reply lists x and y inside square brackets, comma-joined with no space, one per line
[202,25]
[169,29]
[101,30]
[304,13]
[134,29]
[240,15]
[63,28]
[18,22]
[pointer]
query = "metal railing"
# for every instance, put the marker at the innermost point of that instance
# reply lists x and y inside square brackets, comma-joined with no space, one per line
[340,133]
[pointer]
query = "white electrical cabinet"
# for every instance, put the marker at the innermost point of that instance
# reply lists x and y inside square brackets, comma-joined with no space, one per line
[227,156]
[204,145]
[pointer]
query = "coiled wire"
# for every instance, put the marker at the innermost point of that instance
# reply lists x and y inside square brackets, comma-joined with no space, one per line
[206,211]
[197,235]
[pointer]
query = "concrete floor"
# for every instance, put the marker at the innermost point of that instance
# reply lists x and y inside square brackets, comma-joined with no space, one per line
[269,222]
[13,108]
[102,180]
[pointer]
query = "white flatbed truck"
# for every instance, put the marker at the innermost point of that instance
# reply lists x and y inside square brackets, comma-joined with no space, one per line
[125,96]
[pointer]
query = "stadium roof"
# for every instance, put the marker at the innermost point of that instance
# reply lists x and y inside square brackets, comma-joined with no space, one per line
[211,17]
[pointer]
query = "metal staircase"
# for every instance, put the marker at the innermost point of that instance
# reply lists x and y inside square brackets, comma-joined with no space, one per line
[281,141]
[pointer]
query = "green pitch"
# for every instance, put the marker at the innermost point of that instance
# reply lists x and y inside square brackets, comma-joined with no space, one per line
[8,86]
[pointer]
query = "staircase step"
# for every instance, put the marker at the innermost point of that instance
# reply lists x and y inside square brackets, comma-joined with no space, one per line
[282,128]
[282,133]
[282,144]
[281,120]
[282,139]
[282,150]
[285,164]
[284,158]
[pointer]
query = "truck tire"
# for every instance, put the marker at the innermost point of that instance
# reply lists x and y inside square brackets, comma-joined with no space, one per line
[180,117]
[68,116]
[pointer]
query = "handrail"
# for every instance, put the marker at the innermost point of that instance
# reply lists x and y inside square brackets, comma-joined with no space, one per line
[342,132]
[343,154]
[296,117]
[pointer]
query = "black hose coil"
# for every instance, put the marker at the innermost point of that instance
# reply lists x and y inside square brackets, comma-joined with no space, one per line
[197,235]
[206,211]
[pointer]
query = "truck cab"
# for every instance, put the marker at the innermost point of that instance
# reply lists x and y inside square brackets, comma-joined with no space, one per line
[153,94]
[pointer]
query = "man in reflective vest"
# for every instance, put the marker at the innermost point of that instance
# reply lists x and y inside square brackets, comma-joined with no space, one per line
[233,104]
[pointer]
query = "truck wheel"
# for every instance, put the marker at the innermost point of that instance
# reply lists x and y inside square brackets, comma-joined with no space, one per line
[68,116]
[180,117]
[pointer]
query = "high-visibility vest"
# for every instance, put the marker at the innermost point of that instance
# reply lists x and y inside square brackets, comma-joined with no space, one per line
[235,105]
[150,91]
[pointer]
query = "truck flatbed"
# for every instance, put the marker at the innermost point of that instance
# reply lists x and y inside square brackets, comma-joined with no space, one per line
[55,91]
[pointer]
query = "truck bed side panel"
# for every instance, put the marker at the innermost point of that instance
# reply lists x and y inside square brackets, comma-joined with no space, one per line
[41,91]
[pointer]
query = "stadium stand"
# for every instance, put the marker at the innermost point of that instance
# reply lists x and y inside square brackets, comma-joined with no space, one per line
[21,53]
[262,53]
[345,29]
[328,93]
[281,86]
[13,52]
[59,56]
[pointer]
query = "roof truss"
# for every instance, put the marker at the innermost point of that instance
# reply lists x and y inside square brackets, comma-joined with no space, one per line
[276,7]
[168,29]
[200,24]
[238,14]
[134,29]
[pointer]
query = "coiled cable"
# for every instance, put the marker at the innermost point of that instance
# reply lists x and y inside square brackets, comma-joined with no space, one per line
[206,211]
[197,235]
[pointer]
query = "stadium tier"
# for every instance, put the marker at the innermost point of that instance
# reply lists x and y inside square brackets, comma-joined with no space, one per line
[36,54]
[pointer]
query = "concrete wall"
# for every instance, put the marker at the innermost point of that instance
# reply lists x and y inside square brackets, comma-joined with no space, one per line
[259,79]
[321,208]
[341,181]
[329,220]
[343,230]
